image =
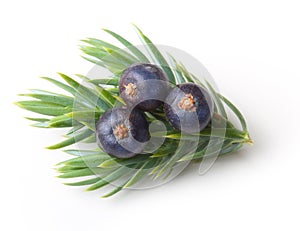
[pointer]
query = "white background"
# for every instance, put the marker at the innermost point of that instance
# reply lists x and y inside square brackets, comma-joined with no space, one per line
[252,50]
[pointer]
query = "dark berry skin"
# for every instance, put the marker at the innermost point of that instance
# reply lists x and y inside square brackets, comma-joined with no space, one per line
[122,133]
[143,85]
[189,108]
